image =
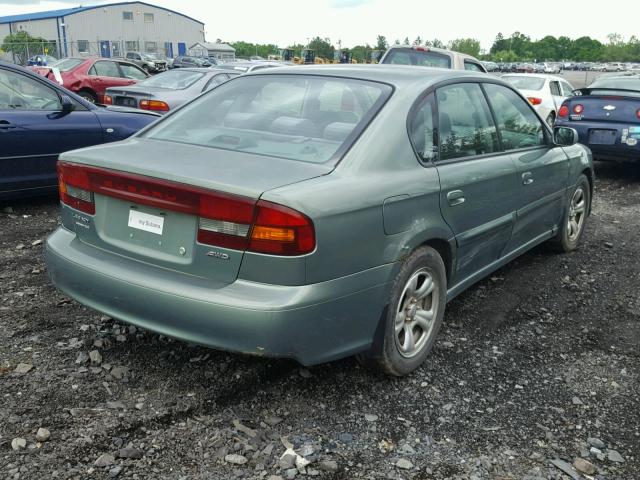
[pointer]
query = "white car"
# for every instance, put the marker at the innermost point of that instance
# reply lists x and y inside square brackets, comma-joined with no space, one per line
[545,92]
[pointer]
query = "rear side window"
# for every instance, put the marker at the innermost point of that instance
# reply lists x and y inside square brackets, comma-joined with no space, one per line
[19,92]
[464,121]
[555,89]
[298,117]
[421,129]
[408,56]
[519,126]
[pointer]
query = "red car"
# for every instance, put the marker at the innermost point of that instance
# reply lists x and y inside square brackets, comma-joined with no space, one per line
[90,77]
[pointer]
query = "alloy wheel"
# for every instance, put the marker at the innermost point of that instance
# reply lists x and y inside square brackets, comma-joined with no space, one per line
[577,211]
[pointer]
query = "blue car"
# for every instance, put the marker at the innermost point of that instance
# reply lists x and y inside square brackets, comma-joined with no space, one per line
[39,120]
[607,117]
[41,60]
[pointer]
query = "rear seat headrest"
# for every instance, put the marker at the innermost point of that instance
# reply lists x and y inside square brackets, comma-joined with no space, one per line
[302,127]
[338,131]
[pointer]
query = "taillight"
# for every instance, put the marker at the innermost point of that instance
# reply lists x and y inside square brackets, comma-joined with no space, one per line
[578,109]
[638,113]
[225,220]
[534,100]
[563,112]
[107,100]
[420,49]
[281,230]
[155,105]
[74,186]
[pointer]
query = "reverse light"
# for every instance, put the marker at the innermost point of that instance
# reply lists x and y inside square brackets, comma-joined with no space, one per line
[154,105]
[534,100]
[563,111]
[578,109]
[225,220]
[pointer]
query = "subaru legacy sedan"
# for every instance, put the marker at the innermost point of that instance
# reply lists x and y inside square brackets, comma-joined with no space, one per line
[317,212]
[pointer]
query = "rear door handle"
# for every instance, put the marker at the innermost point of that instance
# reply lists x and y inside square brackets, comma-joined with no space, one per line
[527,178]
[455,197]
[4,125]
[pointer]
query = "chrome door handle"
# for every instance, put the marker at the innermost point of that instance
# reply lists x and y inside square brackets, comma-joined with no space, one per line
[527,178]
[455,197]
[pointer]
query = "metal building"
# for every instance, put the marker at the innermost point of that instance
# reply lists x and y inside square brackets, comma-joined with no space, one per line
[108,30]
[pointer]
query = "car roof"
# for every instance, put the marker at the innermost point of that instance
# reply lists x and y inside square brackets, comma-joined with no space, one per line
[536,75]
[444,51]
[396,75]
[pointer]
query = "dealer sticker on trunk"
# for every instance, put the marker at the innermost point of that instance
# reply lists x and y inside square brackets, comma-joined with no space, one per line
[146,222]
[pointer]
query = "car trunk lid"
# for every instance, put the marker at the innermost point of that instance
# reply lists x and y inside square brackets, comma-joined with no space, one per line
[182,207]
[607,108]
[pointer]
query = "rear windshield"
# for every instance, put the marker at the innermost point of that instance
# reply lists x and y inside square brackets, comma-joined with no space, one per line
[408,56]
[306,118]
[525,83]
[67,64]
[173,79]
[616,83]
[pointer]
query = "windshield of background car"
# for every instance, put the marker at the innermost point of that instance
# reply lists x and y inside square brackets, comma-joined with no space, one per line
[408,56]
[525,83]
[614,83]
[67,64]
[306,118]
[174,80]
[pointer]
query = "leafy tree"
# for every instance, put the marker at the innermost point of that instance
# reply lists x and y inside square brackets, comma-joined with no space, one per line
[322,47]
[418,40]
[470,46]
[381,43]
[22,46]
[406,41]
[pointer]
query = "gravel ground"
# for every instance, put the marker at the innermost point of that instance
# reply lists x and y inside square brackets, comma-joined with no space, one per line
[538,363]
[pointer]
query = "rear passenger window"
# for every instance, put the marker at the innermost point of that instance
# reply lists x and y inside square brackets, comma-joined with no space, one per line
[519,126]
[464,121]
[555,89]
[421,130]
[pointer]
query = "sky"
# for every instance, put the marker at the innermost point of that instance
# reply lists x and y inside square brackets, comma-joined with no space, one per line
[354,22]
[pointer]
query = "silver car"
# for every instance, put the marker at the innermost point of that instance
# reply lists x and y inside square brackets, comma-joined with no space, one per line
[167,91]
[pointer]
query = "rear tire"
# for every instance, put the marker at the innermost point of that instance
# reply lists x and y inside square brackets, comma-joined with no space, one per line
[88,96]
[575,217]
[551,119]
[414,314]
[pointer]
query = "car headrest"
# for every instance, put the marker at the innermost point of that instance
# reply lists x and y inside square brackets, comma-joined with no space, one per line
[302,127]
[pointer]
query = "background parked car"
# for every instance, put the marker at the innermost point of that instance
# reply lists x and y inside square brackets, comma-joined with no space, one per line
[167,91]
[545,92]
[90,77]
[606,116]
[184,61]
[41,60]
[288,213]
[431,57]
[149,62]
[39,120]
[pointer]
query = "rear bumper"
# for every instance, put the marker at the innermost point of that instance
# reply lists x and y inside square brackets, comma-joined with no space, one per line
[619,151]
[311,323]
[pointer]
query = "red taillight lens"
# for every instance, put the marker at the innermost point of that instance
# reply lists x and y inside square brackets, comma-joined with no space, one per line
[420,49]
[107,100]
[74,186]
[563,112]
[225,220]
[281,230]
[534,100]
[154,105]
[638,113]
[578,109]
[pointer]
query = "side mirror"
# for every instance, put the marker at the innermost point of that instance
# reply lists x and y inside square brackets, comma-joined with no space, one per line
[67,104]
[565,136]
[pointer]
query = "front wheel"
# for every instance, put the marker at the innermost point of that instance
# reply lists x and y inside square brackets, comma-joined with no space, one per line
[415,312]
[88,96]
[575,216]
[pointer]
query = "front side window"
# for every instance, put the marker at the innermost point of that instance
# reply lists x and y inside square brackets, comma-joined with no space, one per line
[567,89]
[105,68]
[422,131]
[473,66]
[464,121]
[19,92]
[297,117]
[519,126]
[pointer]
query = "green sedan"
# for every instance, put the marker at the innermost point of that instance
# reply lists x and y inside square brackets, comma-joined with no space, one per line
[317,212]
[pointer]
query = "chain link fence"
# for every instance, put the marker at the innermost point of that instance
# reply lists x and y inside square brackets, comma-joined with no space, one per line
[46,52]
